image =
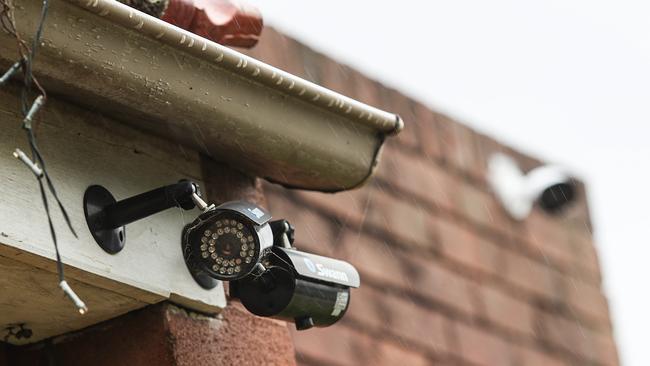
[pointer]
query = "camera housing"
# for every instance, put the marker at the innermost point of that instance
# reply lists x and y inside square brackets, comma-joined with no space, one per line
[551,187]
[237,242]
[307,289]
[227,242]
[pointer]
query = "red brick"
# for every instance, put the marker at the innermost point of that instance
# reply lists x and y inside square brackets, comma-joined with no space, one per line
[479,207]
[429,182]
[447,138]
[400,317]
[525,162]
[506,311]
[533,277]
[137,338]
[581,240]
[229,340]
[485,147]
[418,325]
[377,261]
[364,89]
[348,207]
[575,338]
[335,76]
[372,256]
[483,348]
[607,350]
[459,146]
[397,103]
[314,233]
[531,357]
[462,245]
[337,345]
[420,177]
[290,59]
[549,235]
[403,218]
[588,300]
[367,307]
[428,132]
[442,285]
[391,355]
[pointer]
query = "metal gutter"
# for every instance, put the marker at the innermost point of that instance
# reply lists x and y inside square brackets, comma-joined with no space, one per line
[107,56]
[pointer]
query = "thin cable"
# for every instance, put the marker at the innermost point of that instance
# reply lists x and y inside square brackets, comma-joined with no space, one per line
[29,110]
[30,59]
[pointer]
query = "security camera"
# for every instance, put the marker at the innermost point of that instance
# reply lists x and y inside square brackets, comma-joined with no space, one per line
[307,289]
[227,242]
[551,187]
[237,242]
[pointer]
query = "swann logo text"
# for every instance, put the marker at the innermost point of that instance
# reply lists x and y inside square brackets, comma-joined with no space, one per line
[323,271]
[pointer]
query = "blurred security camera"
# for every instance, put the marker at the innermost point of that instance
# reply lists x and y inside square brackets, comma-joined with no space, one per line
[551,187]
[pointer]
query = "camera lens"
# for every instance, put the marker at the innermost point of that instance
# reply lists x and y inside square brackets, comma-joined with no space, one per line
[225,245]
[226,242]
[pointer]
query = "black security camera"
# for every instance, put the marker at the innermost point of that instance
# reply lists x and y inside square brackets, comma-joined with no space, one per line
[304,288]
[237,242]
[227,242]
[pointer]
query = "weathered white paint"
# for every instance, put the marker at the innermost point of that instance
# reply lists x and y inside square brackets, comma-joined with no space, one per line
[83,148]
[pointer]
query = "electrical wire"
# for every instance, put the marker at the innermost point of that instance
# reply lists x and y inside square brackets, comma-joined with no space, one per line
[29,110]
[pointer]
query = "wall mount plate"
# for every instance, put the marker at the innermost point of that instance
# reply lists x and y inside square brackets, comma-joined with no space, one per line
[96,198]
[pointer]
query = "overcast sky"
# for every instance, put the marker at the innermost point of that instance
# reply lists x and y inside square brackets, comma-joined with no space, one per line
[566,80]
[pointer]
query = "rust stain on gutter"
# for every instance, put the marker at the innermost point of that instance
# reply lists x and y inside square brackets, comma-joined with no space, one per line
[259,119]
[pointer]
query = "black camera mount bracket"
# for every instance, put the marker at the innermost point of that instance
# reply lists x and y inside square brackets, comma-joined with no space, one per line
[107,217]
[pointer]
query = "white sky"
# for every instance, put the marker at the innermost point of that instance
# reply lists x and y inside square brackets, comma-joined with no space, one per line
[566,80]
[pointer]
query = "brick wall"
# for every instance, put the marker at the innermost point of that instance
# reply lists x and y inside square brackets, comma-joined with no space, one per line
[447,277]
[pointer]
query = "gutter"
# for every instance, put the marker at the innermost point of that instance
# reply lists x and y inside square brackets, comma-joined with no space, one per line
[265,122]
